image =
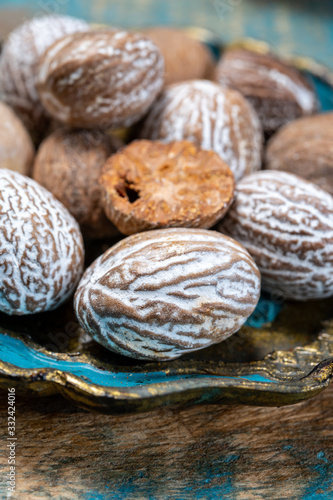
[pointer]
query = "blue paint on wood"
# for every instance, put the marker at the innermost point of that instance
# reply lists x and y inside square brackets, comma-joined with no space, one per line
[324,92]
[231,458]
[299,27]
[321,456]
[95,495]
[266,311]
[320,488]
[16,352]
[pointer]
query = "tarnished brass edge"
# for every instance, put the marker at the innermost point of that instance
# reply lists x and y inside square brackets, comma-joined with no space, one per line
[318,378]
[279,365]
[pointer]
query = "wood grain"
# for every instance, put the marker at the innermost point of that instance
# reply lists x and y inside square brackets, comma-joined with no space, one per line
[205,452]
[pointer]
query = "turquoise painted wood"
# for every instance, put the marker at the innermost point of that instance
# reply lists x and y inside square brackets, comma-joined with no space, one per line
[15,352]
[300,27]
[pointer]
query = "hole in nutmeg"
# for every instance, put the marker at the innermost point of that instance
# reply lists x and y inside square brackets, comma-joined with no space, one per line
[132,194]
[165,167]
[127,191]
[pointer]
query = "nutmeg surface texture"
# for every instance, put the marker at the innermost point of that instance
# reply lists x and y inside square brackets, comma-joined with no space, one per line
[41,247]
[16,147]
[19,64]
[103,78]
[69,164]
[160,294]
[213,118]
[278,91]
[185,58]
[304,147]
[152,185]
[286,224]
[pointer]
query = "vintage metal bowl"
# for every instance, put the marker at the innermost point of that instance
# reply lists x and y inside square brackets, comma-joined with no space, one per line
[283,355]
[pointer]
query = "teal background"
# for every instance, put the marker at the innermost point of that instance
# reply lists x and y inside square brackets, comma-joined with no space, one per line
[298,27]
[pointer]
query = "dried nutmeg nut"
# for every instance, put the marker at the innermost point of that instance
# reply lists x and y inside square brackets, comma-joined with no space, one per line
[164,293]
[101,78]
[16,148]
[185,57]
[150,185]
[286,224]
[212,117]
[41,248]
[278,92]
[304,147]
[69,164]
[19,66]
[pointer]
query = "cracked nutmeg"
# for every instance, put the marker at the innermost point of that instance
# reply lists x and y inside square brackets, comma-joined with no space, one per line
[212,117]
[16,147]
[278,92]
[69,164]
[304,147]
[41,247]
[286,224]
[160,294]
[103,79]
[152,185]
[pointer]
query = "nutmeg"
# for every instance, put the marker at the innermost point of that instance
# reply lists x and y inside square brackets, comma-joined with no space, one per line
[100,78]
[164,293]
[212,117]
[151,185]
[304,147]
[19,66]
[286,224]
[16,148]
[278,91]
[185,58]
[69,164]
[41,247]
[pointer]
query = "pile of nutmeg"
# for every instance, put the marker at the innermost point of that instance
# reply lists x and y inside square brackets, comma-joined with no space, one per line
[143,135]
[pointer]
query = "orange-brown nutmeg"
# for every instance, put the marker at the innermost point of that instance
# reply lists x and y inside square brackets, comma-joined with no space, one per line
[16,147]
[152,185]
[304,147]
[185,58]
[69,164]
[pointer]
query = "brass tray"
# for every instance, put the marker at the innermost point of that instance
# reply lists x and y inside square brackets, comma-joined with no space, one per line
[280,362]
[283,355]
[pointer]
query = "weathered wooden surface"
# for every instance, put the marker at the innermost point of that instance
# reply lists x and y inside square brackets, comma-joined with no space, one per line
[205,452]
